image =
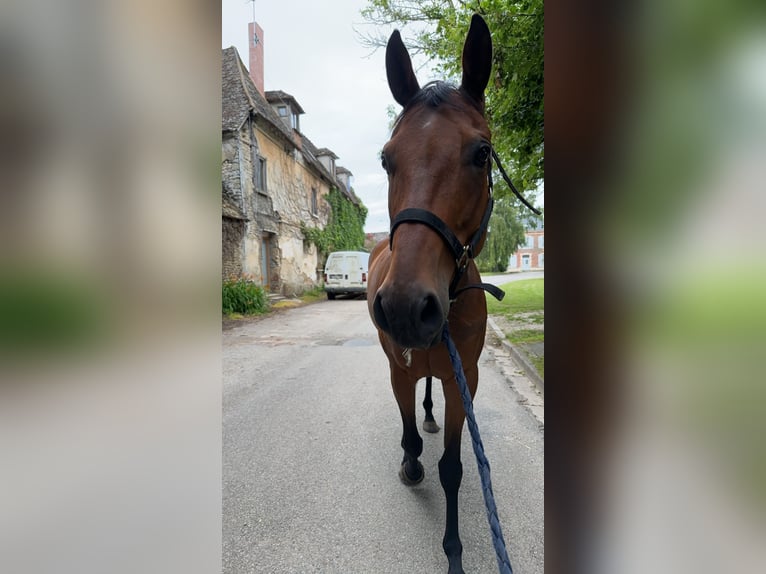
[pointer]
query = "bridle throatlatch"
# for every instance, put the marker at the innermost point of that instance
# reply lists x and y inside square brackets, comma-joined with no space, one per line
[462,253]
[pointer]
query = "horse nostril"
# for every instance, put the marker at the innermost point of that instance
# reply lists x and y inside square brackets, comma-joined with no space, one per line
[431,312]
[380,315]
[413,322]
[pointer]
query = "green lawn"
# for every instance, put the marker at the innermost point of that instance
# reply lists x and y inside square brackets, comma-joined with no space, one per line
[523,304]
[526,296]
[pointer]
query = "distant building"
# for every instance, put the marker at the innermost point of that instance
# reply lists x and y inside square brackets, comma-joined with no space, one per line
[531,256]
[372,239]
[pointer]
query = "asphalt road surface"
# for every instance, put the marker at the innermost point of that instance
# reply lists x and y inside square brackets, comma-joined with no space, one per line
[509,277]
[311,452]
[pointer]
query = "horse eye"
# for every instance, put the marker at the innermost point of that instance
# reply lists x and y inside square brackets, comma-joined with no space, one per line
[482,155]
[383,162]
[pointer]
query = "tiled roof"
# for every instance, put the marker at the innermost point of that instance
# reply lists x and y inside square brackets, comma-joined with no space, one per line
[240,97]
[354,197]
[311,153]
[235,106]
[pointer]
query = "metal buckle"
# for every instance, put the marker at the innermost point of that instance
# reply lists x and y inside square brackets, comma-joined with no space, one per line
[462,262]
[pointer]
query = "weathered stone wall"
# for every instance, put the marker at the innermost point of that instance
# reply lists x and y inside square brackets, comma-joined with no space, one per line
[230,170]
[238,174]
[289,184]
[279,212]
[233,231]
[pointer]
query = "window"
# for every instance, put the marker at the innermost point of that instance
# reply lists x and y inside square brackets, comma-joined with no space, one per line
[314,202]
[282,110]
[260,174]
[530,241]
[541,241]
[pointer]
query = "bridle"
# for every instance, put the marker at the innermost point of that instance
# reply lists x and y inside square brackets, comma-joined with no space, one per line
[463,253]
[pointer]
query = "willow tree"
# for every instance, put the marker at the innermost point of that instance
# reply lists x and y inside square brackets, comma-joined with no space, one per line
[505,235]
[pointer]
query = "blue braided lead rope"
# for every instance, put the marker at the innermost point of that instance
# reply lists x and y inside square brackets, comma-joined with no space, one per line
[503,563]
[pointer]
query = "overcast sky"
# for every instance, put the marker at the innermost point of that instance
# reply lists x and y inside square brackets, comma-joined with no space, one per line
[313,53]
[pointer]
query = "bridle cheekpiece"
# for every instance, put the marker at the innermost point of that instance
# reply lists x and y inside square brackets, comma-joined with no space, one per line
[463,253]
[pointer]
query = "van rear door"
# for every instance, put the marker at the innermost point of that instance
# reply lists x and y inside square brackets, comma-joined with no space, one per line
[355,268]
[336,270]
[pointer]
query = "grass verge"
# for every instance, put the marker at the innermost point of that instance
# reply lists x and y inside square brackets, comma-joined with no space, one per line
[525,296]
[521,317]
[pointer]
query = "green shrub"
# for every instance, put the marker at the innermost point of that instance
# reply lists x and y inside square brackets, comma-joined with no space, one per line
[243,296]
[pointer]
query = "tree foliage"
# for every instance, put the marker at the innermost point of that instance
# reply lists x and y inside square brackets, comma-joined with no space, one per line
[345,230]
[437,29]
[505,235]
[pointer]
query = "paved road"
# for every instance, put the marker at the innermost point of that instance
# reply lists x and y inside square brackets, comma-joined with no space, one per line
[508,277]
[311,437]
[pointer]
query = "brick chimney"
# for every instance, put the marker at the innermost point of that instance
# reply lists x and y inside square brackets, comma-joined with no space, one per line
[255,42]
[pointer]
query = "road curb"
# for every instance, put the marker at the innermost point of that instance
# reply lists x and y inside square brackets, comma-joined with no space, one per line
[518,356]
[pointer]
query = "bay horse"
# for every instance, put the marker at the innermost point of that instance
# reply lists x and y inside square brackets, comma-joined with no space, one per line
[438,162]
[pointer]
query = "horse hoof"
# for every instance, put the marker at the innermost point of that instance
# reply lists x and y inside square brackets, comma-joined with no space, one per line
[404,477]
[430,426]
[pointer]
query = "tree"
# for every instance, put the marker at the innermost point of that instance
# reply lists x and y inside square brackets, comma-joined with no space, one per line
[505,235]
[514,97]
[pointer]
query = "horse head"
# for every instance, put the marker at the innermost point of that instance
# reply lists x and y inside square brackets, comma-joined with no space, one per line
[438,162]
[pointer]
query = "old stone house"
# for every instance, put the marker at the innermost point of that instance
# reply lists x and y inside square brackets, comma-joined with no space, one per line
[274,180]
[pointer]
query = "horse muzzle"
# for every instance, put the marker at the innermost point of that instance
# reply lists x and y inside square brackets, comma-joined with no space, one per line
[413,318]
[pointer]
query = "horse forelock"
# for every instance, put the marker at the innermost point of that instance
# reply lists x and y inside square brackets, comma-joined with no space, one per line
[434,95]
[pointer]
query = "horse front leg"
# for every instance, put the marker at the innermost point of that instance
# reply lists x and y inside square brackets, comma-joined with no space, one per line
[429,424]
[451,468]
[411,471]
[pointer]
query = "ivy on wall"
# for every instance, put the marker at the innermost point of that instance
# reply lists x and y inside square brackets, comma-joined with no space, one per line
[344,232]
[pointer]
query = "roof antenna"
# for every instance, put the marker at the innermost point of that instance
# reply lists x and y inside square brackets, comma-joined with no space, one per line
[256,39]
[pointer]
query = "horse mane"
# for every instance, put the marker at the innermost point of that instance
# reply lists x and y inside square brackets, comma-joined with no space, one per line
[433,95]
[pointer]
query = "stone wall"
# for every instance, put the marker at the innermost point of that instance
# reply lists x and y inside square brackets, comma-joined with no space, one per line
[290,183]
[279,212]
[233,231]
[230,171]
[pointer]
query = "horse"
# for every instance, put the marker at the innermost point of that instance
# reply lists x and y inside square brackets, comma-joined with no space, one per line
[438,162]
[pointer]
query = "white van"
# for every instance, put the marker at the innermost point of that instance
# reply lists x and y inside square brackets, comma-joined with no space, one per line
[346,272]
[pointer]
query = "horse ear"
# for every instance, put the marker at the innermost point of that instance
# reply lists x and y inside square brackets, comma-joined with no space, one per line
[401,78]
[477,59]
